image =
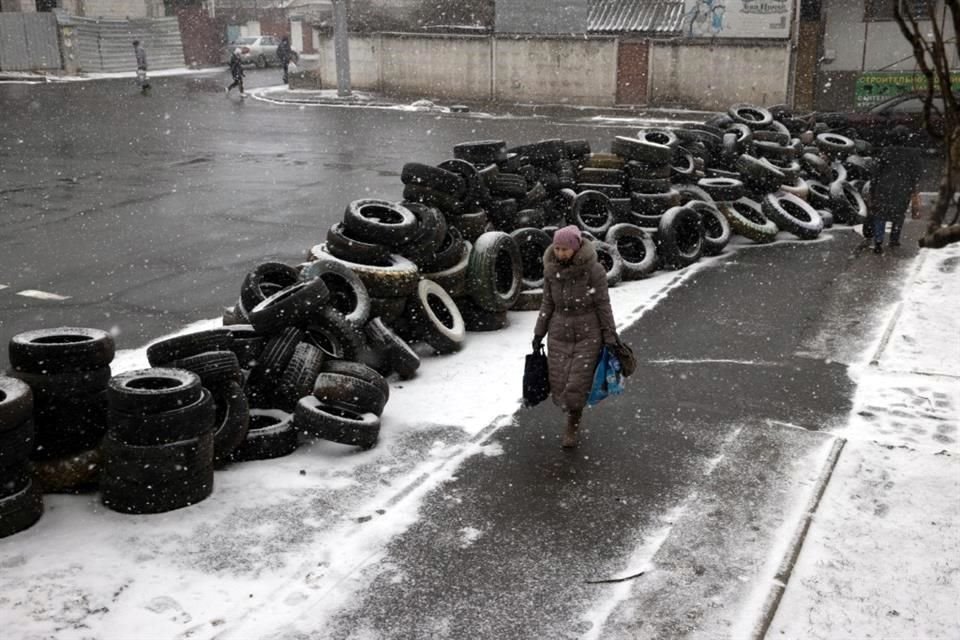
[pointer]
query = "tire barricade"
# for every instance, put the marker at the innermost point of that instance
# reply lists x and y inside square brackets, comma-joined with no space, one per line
[307,349]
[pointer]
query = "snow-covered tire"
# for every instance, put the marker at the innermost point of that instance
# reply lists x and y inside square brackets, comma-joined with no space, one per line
[213,367]
[716,229]
[154,390]
[435,318]
[834,145]
[149,429]
[494,271]
[293,306]
[481,152]
[379,221]
[398,279]
[592,212]
[680,237]
[746,219]
[471,224]
[609,258]
[337,424]
[259,284]
[653,145]
[637,250]
[751,115]
[453,280]
[165,351]
[793,215]
[334,335]
[349,391]
[529,300]
[722,189]
[394,352]
[433,177]
[847,203]
[654,204]
[298,377]
[16,402]
[476,318]
[271,434]
[360,371]
[20,510]
[533,243]
[231,421]
[340,245]
[348,294]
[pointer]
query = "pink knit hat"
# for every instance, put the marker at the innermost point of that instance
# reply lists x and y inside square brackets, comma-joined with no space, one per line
[567,237]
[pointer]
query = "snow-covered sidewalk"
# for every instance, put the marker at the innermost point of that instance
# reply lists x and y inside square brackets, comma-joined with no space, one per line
[882,556]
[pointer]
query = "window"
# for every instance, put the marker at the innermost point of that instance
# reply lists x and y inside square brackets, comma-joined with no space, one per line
[883,9]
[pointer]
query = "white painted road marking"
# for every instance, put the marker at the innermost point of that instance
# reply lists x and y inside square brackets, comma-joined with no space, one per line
[41,295]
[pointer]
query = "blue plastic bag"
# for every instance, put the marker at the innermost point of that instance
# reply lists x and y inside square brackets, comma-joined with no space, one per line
[607,378]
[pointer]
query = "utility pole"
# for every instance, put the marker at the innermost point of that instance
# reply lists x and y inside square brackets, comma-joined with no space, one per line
[341,46]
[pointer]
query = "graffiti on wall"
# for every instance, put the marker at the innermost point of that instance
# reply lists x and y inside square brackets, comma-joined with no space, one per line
[706,18]
[738,18]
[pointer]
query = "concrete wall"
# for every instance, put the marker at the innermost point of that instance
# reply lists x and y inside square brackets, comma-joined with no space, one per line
[459,66]
[18,6]
[556,70]
[713,76]
[120,9]
[364,61]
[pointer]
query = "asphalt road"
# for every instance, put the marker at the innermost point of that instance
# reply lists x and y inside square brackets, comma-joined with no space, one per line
[146,213]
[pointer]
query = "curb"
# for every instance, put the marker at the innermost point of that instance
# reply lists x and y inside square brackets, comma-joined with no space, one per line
[782,577]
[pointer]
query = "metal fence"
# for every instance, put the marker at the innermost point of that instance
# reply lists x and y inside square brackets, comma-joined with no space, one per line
[28,42]
[104,46]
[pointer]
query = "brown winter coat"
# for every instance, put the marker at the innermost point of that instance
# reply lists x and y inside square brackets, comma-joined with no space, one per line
[577,319]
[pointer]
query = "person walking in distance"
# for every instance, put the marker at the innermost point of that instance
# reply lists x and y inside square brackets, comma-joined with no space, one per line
[893,189]
[236,70]
[577,318]
[142,79]
[286,54]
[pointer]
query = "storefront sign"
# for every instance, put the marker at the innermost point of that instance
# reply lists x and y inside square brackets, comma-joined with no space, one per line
[875,87]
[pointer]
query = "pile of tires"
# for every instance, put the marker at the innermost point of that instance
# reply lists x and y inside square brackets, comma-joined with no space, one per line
[67,370]
[21,502]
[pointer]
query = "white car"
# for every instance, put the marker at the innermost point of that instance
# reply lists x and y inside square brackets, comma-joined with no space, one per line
[258,50]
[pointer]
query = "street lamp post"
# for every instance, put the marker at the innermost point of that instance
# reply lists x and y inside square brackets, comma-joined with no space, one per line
[341,46]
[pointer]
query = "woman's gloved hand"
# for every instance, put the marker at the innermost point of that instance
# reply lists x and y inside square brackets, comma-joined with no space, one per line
[537,343]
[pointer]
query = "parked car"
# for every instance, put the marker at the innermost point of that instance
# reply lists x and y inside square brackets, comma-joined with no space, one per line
[898,120]
[258,50]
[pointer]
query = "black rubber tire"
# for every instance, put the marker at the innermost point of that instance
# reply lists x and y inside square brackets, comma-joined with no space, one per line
[716,228]
[609,258]
[746,219]
[153,390]
[798,188]
[494,271]
[60,350]
[722,189]
[654,147]
[776,136]
[592,211]
[591,175]
[379,221]
[150,429]
[815,164]
[16,403]
[546,152]
[475,192]
[348,294]
[529,300]
[69,425]
[819,195]
[481,152]
[680,237]
[683,166]
[395,355]
[751,115]
[609,190]
[134,498]
[533,243]
[760,173]
[793,215]
[16,445]
[847,204]
[827,216]
[636,248]
[654,204]
[431,228]
[213,367]
[293,306]
[21,510]
[360,371]
[271,434]
[646,171]
[160,463]
[604,160]
[502,213]
[434,178]
[231,421]
[774,152]
[337,424]
[333,334]
[509,185]
[449,252]
[476,318]
[649,185]
[264,280]
[340,245]
[398,279]
[471,225]
[167,350]
[834,145]
[860,167]
[453,280]
[298,376]
[349,391]
[435,318]
[390,309]
[273,360]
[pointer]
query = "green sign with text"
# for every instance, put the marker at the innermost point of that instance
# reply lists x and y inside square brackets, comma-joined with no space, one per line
[876,86]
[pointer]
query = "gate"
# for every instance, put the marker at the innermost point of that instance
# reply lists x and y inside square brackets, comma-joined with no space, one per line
[28,42]
[632,71]
[105,45]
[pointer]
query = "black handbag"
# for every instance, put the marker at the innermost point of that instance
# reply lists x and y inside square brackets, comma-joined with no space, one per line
[536,378]
[628,362]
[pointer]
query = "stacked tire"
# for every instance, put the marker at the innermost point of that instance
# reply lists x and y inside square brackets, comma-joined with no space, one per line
[21,501]
[67,370]
[158,454]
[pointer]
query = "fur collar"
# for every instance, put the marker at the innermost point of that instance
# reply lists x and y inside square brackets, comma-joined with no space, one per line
[583,261]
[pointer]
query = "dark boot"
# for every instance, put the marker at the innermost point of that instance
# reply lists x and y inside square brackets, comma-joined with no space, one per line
[573,424]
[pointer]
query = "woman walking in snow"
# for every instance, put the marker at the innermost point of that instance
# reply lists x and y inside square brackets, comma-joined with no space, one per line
[576,314]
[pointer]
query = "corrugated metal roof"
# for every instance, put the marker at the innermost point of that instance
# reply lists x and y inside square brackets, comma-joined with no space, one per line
[655,17]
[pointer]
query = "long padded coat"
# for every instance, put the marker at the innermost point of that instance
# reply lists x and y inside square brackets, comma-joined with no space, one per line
[577,319]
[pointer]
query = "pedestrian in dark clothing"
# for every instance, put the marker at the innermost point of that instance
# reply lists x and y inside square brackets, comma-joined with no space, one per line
[142,79]
[286,54]
[236,70]
[576,314]
[892,191]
